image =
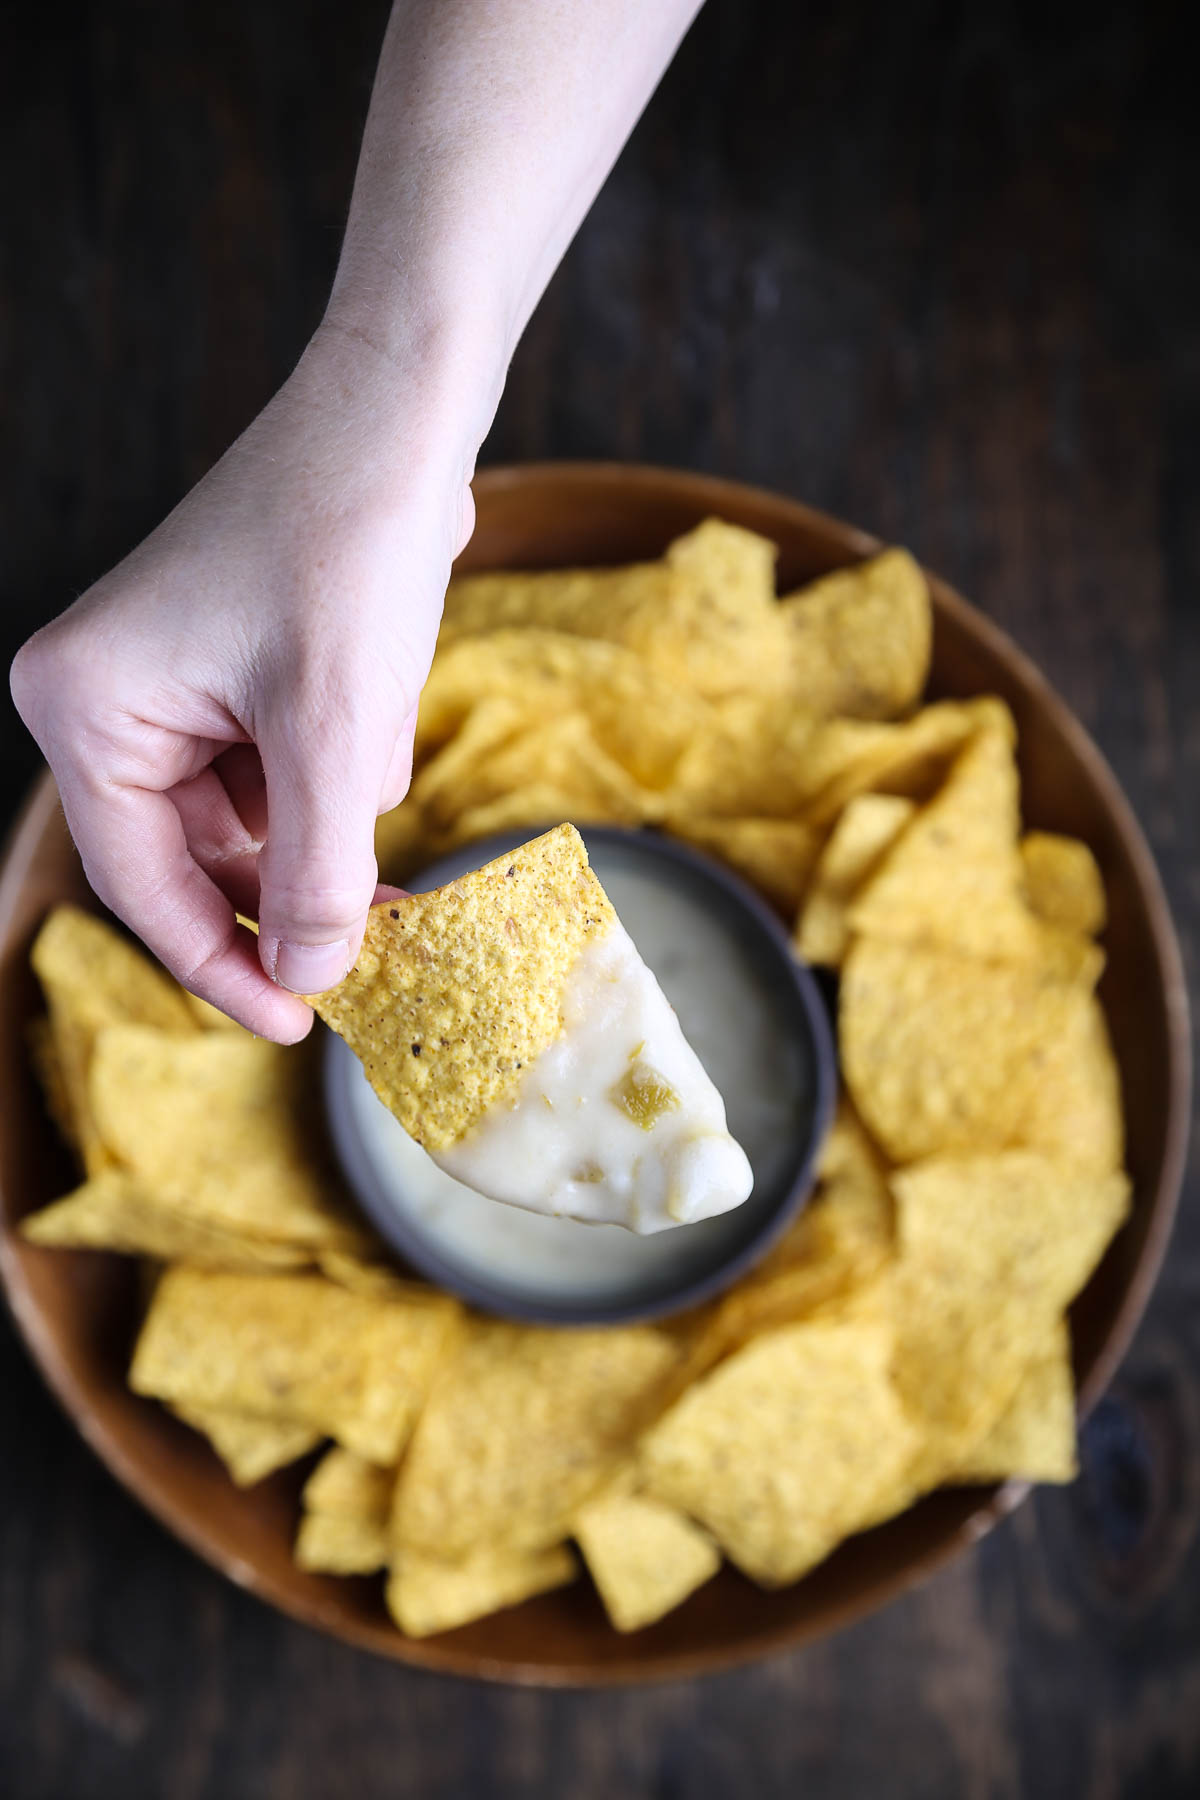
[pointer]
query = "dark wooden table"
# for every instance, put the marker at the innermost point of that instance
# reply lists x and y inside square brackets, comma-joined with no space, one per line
[934,268]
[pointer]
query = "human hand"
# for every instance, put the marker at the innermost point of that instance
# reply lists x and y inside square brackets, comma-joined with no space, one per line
[229,709]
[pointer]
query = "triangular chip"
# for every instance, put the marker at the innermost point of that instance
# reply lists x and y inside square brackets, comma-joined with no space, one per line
[112,1211]
[784,1450]
[510,1025]
[295,1347]
[456,992]
[868,827]
[251,1445]
[426,1594]
[992,1249]
[945,1052]
[861,638]
[522,1428]
[1063,883]
[952,881]
[219,1126]
[1034,1437]
[644,1557]
[94,976]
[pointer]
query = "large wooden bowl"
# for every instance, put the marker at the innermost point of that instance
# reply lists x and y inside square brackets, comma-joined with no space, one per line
[76,1310]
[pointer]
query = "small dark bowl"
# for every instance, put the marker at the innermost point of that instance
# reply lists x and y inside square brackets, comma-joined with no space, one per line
[783,1172]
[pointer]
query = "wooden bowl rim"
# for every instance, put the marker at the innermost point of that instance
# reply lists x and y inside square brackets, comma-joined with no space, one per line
[705,494]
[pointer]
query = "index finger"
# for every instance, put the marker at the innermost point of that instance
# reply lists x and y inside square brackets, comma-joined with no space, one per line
[135,856]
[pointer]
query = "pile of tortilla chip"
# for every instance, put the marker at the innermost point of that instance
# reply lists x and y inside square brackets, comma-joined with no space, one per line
[911,1329]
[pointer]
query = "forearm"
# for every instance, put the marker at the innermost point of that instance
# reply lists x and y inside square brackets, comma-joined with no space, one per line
[492,125]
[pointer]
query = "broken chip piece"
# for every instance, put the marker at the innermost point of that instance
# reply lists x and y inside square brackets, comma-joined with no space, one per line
[509,1023]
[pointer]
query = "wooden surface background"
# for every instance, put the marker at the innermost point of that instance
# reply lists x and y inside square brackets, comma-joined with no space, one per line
[933,267]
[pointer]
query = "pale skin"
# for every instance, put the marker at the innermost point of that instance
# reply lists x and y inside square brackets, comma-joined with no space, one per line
[227,712]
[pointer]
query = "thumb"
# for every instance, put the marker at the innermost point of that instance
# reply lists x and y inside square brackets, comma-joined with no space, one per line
[317,873]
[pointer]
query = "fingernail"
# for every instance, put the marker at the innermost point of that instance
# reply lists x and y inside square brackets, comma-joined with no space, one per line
[311,968]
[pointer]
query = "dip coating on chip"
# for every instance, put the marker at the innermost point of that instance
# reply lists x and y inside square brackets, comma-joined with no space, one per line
[510,1025]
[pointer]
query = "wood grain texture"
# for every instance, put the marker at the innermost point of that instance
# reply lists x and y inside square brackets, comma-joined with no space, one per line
[935,269]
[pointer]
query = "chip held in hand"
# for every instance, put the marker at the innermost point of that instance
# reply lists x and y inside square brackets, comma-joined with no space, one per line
[510,1025]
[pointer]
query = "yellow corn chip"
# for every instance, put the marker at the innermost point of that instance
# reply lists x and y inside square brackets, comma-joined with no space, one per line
[492,721]
[590,603]
[783,1450]
[526,809]
[1063,883]
[328,1544]
[559,754]
[294,1346]
[705,615]
[251,1446]
[861,638]
[93,976]
[849,756]
[1075,1106]
[642,718]
[839,1242]
[347,1486]
[1034,1437]
[112,1212]
[774,855]
[944,1052]
[952,881]
[425,1595]
[218,1125]
[456,991]
[369,1275]
[867,828]
[103,977]
[992,1249]
[645,1558]
[521,1429]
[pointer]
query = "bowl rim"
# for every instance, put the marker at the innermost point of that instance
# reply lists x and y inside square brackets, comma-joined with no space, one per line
[369,1188]
[697,494]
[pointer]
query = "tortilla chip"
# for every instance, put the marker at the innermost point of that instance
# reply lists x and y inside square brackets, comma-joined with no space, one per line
[219,1126]
[344,1530]
[1063,883]
[782,1451]
[705,615]
[294,1346]
[560,754]
[645,1558]
[329,1545]
[840,1241]
[952,881]
[590,603]
[251,1447]
[347,1486]
[861,638]
[103,977]
[425,1594]
[643,719]
[455,992]
[1075,1107]
[492,721]
[521,1429]
[774,855]
[944,1052]
[867,828]
[992,1249]
[112,1212]
[535,808]
[1034,1437]
[851,757]
[93,976]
